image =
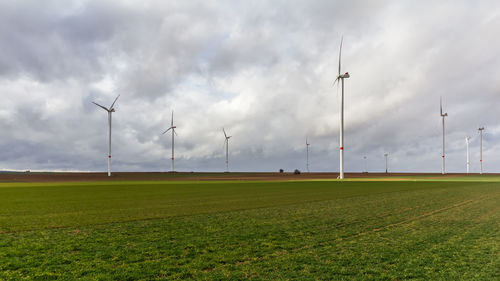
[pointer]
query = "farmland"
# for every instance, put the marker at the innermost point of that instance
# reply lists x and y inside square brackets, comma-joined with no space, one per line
[364,229]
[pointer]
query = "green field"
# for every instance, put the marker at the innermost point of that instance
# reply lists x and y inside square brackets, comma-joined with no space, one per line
[304,230]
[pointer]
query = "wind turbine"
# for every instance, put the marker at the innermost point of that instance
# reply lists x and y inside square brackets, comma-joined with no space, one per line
[443,115]
[226,143]
[467,138]
[366,166]
[307,154]
[481,149]
[386,162]
[110,110]
[172,127]
[341,77]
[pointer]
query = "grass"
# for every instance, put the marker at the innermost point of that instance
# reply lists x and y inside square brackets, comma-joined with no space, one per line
[308,230]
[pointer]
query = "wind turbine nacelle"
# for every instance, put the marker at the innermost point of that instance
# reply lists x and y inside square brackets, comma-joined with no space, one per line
[173,127]
[112,110]
[345,75]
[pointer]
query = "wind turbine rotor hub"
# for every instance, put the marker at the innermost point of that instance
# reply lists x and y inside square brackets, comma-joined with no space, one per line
[345,75]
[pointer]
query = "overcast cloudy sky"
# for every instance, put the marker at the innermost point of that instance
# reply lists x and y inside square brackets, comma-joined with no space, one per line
[261,69]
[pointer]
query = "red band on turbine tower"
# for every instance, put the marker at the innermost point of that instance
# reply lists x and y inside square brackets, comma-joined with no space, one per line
[109,156]
[341,148]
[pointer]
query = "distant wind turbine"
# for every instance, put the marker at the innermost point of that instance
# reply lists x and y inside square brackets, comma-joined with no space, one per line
[172,127]
[366,166]
[481,149]
[341,77]
[307,155]
[226,143]
[467,139]
[110,110]
[386,163]
[443,115]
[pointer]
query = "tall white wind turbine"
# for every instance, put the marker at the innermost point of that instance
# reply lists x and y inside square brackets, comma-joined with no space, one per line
[341,77]
[172,127]
[481,149]
[110,110]
[307,155]
[443,115]
[467,139]
[226,143]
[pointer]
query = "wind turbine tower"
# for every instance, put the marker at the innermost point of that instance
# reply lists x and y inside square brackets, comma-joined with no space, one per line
[226,142]
[172,127]
[110,110]
[307,155]
[481,149]
[443,115]
[341,77]
[467,139]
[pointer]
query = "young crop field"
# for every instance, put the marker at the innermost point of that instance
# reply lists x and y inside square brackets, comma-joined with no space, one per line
[418,228]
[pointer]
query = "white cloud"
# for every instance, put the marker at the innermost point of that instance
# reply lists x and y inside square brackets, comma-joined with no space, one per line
[263,70]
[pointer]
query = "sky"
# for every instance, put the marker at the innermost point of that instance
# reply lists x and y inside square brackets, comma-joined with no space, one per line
[263,70]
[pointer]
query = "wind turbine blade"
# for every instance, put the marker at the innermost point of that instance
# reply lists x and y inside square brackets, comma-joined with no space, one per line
[336,80]
[338,89]
[224,133]
[340,52]
[101,106]
[167,130]
[441,105]
[175,132]
[172,119]
[111,107]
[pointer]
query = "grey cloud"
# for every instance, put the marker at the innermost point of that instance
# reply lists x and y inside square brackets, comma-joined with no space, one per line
[263,70]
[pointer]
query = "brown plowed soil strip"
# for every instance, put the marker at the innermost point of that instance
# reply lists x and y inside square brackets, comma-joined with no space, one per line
[188,176]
